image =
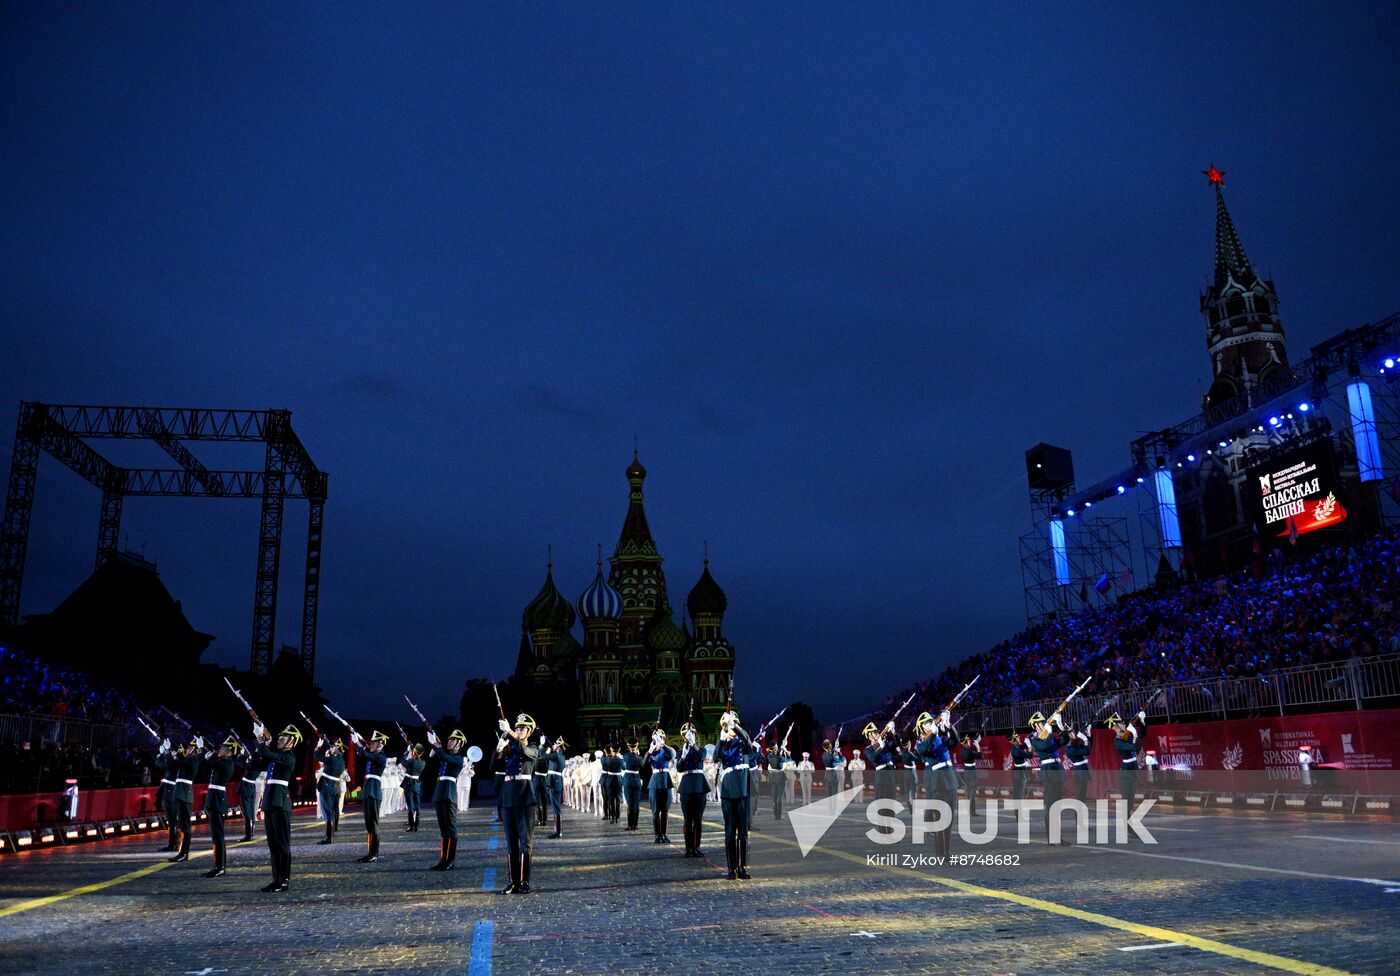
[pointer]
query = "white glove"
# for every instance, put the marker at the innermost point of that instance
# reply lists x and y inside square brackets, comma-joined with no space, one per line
[501,743]
[1058,720]
[164,745]
[690,738]
[544,741]
[504,726]
[1142,716]
[355,738]
[433,738]
[199,743]
[258,730]
[944,717]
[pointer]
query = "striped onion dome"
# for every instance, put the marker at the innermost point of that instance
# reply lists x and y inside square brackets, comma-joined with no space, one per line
[600,601]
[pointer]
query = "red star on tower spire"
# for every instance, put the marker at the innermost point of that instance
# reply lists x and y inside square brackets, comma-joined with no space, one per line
[1214,175]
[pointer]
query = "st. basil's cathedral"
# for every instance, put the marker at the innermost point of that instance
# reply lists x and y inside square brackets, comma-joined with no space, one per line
[635,663]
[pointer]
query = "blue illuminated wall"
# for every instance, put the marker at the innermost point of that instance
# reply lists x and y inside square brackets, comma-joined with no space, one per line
[1166,508]
[1363,430]
[1057,546]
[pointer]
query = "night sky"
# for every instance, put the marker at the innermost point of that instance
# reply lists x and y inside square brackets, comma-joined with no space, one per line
[834,267]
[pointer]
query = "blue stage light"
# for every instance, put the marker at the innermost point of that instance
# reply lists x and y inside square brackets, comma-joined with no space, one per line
[1389,363]
[1304,407]
[1070,513]
[1191,457]
[1139,481]
[1273,421]
[1121,489]
[1224,443]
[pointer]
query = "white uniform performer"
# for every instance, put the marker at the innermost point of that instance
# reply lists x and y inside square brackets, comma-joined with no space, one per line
[856,767]
[1305,764]
[595,784]
[391,785]
[804,776]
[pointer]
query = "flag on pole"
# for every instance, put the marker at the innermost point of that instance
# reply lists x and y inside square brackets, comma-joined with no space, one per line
[1125,578]
[1103,585]
[1292,531]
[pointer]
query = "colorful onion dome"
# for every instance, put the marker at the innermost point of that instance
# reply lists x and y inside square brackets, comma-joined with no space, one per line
[664,634]
[548,610]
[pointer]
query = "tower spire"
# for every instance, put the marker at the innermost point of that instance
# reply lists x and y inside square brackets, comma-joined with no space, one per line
[1230,259]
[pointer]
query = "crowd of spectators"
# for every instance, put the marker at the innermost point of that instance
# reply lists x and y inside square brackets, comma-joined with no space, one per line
[1336,603]
[58,723]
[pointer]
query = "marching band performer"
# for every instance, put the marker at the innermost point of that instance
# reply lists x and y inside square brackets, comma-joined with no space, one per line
[248,793]
[450,762]
[277,800]
[910,759]
[880,755]
[733,756]
[1047,743]
[804,777]
[413,766]
[1125,741]
[857,769]
[755,761]
[165,794]
[971,754]
[554,783]
[220,765]
[660,759]
[518,760]
[1077,753]
[632,782]
[940,779]
[372,792]
[331,755]
[185,761]
[692,790]
[1020,765]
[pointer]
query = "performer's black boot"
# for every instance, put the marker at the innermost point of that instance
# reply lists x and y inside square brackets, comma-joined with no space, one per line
[744,858]
[442,856]
[558,827]
[184,854]
[217,871]
[451,854]
[330,832]
[524,887]
[731,856]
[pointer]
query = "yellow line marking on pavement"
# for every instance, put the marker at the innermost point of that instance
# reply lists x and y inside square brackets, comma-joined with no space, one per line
[25,906]
[1108,921]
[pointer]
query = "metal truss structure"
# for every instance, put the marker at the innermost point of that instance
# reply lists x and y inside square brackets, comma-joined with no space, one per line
[1097,549]
[62,431]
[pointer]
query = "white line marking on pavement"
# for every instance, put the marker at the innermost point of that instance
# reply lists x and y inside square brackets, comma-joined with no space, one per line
[1155,945]
[1244,867]
[1349,840]
[866,935]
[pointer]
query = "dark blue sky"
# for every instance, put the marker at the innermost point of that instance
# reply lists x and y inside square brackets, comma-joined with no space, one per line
[835,267]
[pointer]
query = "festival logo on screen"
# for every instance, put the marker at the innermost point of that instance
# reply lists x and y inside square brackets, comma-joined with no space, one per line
[1232,757]
[1297,494]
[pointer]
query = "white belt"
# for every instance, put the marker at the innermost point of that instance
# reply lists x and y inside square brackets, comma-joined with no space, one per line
[186,781]
[167,782]
[1024,765]
[541,774]
[884,766]
[406,776]
[215,786]
[277,782]
[1050,764]
[560,774]
[453,779]
[374,776]
[506,778]
[606,772]
[937,765]
[1081,762]
[969,765]
[631,772]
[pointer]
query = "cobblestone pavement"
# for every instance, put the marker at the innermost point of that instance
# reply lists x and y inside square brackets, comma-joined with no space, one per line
[1244,893]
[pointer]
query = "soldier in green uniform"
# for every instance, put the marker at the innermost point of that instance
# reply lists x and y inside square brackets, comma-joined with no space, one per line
[659,760]
[413,767]
[331,755]
[632,782]
[832,762]
[1077,751]
[1021,754]
[450,763]
[277,800]
[971,755]
[734,755]
[248,792]
[220,766]
[554,782]
[165,794]
[185,762]
[777,779]
[613,775]
[372,792]
[693,789]
[541,784]
[518,758]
